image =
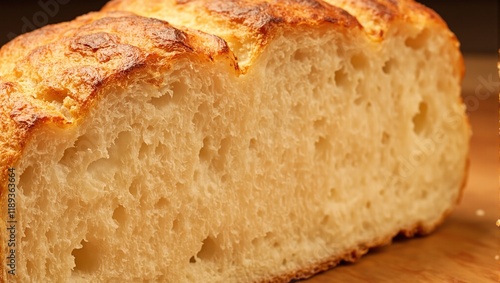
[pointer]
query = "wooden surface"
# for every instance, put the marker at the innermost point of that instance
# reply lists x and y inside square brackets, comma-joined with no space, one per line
[466,248]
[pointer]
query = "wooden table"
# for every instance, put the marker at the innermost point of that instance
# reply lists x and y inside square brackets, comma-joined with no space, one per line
[466,248]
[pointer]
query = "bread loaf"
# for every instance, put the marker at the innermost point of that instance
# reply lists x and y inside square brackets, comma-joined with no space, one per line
[226,141]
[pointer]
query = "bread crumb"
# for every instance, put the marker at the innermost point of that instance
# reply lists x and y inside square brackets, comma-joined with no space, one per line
[498,222]
[480,212]
[497,257]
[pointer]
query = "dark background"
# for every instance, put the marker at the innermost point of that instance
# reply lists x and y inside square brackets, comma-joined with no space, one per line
[474,22]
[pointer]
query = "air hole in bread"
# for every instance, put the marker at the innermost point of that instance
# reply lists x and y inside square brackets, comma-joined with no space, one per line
[162,204]
[173,94]
[209,249]
[418,41]
[300,55]
[268,236]
[222,152]
[196,176]
[319,123]
[176,224]
[50,235]
[420,119]
[86,257]
[68,156]
[385,138]
[84,143]
[199,118]
[144,150]
[207,151]
[101,169]
[359,61]
[325,220]
[423,194]
[388,66]
[120,215]
[28,235]
[149,135]
[358,100]
[192,259]
[322,147]
[252,144]
[161,151]
[341,78]
[30,266]
[260,213]
[121,145]
[368,106]
[180,186]
[133,189]
[54,96]
[350,160]
[25,180]
[122,142]
[333,194]
[297,110]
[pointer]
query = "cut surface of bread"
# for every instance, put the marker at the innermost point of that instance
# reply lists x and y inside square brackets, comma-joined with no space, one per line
[227,141]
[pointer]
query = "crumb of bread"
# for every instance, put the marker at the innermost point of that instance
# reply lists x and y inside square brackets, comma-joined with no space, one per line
[480,212]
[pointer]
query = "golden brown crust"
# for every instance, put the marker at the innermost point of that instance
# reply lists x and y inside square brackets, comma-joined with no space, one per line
[262,16]
[255,22]
[244,23]
[377,16]
[259,15]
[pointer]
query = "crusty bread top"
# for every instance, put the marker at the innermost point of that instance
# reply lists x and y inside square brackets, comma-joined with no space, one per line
[261,17]
[50,77]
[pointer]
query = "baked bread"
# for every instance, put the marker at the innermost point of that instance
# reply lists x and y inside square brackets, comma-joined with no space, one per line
[226,141]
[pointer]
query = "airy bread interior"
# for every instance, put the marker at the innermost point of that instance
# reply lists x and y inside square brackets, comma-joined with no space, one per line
[327,145]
